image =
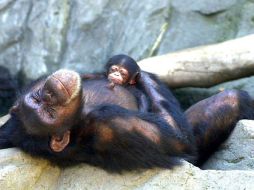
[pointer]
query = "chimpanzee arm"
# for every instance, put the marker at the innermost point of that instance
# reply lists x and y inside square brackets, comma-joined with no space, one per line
[126,140]
[164,103]
[113,138]
[161,97]
[143,103]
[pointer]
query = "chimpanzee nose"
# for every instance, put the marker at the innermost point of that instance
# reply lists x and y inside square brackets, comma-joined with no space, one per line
[47,97]
[61,86]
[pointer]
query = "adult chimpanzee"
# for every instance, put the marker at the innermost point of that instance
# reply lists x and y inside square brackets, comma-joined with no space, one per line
[63,120]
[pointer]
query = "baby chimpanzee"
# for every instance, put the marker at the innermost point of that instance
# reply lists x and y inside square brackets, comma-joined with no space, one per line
[123,70]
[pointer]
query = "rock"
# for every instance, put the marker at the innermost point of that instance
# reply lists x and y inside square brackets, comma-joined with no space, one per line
[4,119]
[12,19]
[184,177]
[237,153]
[190,95]
[20,171]
[205,7]
[246,22]
[45,31]
[195,23]
[38,37]
[100,29]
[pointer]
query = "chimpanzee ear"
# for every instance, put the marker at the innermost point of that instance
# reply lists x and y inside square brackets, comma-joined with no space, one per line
[134,78]
[132,81]
[14,108]
[58,143]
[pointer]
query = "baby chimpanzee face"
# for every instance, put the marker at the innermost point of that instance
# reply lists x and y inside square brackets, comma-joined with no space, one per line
[118,75]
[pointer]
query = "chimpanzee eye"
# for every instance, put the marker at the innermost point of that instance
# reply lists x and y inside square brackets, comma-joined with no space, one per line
[38,93]
[113,68]
[123,73]
[50,112]
[36,96]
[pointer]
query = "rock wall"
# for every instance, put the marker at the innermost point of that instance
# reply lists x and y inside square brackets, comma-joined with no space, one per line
[38,37]
[190,95]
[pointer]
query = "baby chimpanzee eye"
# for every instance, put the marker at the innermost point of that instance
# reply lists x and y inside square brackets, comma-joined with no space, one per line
[113,68]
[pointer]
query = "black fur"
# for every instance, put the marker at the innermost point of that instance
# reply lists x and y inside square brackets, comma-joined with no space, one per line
[128,149]
[138,139]
[124,61]
[8,89]
[214,118]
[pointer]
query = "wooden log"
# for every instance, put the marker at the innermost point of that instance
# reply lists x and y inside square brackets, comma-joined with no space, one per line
[204,66]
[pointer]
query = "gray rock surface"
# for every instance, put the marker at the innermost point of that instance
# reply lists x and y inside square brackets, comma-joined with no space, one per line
[201,22]
[186,177]
[190,95]
[38,37]
[20,171]
[238,152]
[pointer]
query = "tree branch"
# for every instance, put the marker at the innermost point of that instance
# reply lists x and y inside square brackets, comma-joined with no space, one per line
[206,65]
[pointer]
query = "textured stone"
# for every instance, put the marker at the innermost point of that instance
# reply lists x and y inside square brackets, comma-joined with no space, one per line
[100,29]
[237,153]
[20,171]
[194,23]
[38,37]
[204,6]
[190,95]
[45,36]
[13,15]
[4,119]
[186,177]
[246,23]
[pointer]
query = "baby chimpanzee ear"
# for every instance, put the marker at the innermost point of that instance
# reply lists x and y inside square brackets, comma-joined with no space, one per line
[134,79]
[14,108]
[57,143]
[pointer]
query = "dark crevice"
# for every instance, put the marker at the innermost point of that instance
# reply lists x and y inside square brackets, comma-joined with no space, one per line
[8,5]
[8,45]
[64,44]
[212,14]
[25,29]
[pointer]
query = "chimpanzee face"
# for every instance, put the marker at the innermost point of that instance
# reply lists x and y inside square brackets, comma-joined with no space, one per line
[51,105]
[118,74]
